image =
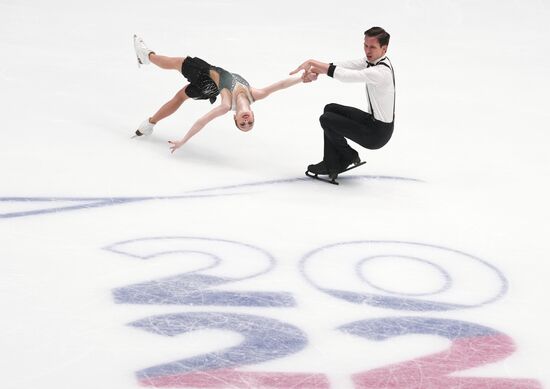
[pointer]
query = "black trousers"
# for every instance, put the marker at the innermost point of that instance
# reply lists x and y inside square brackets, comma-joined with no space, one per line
[340,122]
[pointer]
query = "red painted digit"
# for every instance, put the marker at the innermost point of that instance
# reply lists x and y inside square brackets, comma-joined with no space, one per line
[432,372]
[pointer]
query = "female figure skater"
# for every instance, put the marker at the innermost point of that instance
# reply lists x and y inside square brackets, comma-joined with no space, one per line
[207,82]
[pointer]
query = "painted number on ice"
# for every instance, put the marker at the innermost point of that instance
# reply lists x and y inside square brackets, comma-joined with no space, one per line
[210,263]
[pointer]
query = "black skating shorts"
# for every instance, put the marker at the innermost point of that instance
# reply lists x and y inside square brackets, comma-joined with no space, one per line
[201,86]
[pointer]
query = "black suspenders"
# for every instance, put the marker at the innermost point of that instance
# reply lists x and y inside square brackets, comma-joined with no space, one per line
[393,79]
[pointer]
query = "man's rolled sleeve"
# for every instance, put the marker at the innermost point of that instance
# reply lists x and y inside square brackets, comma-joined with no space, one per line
[371,75]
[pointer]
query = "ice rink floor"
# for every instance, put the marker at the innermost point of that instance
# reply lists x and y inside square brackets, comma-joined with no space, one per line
[223,265]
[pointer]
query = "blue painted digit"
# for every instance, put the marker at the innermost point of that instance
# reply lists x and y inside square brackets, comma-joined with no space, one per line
[194,287]
[264,339]
[327,265]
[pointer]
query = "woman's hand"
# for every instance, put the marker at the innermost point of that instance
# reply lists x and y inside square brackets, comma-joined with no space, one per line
[174,145]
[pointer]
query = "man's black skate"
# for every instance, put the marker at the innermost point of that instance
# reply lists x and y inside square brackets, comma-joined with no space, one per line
[318,168]
[314,171]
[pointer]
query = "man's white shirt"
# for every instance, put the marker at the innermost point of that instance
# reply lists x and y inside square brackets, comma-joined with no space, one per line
[378,81]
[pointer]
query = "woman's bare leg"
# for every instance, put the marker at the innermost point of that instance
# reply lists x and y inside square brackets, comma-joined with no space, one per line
[167,62]
[170,107]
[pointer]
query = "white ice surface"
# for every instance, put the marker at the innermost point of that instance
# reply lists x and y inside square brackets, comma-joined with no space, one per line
[471,139]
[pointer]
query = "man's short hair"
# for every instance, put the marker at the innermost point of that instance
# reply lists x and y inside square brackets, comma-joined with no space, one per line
[380,34]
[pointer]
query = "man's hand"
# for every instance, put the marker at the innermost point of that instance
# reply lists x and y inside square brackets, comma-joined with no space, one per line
[174,145]
[312,66]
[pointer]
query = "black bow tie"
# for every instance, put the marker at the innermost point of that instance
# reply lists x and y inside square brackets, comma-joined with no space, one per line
[369,64]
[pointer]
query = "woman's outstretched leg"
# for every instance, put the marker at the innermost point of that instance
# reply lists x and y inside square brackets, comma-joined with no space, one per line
[170,107]
[146,127]
[166,62]
[146,56]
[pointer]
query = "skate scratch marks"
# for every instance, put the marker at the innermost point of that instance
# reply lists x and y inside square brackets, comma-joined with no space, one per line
[44,204]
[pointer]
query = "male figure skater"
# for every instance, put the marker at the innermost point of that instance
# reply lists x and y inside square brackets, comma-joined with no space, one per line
[371,129]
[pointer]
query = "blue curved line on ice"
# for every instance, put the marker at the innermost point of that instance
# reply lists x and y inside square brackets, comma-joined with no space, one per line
[97,202]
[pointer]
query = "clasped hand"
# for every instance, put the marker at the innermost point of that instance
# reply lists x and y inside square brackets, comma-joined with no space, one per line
[309,76]
[312,69]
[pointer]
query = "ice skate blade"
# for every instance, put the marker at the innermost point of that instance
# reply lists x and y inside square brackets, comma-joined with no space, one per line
[353,166]
[332,177]
[316,176]
[136,135]
[138,61]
